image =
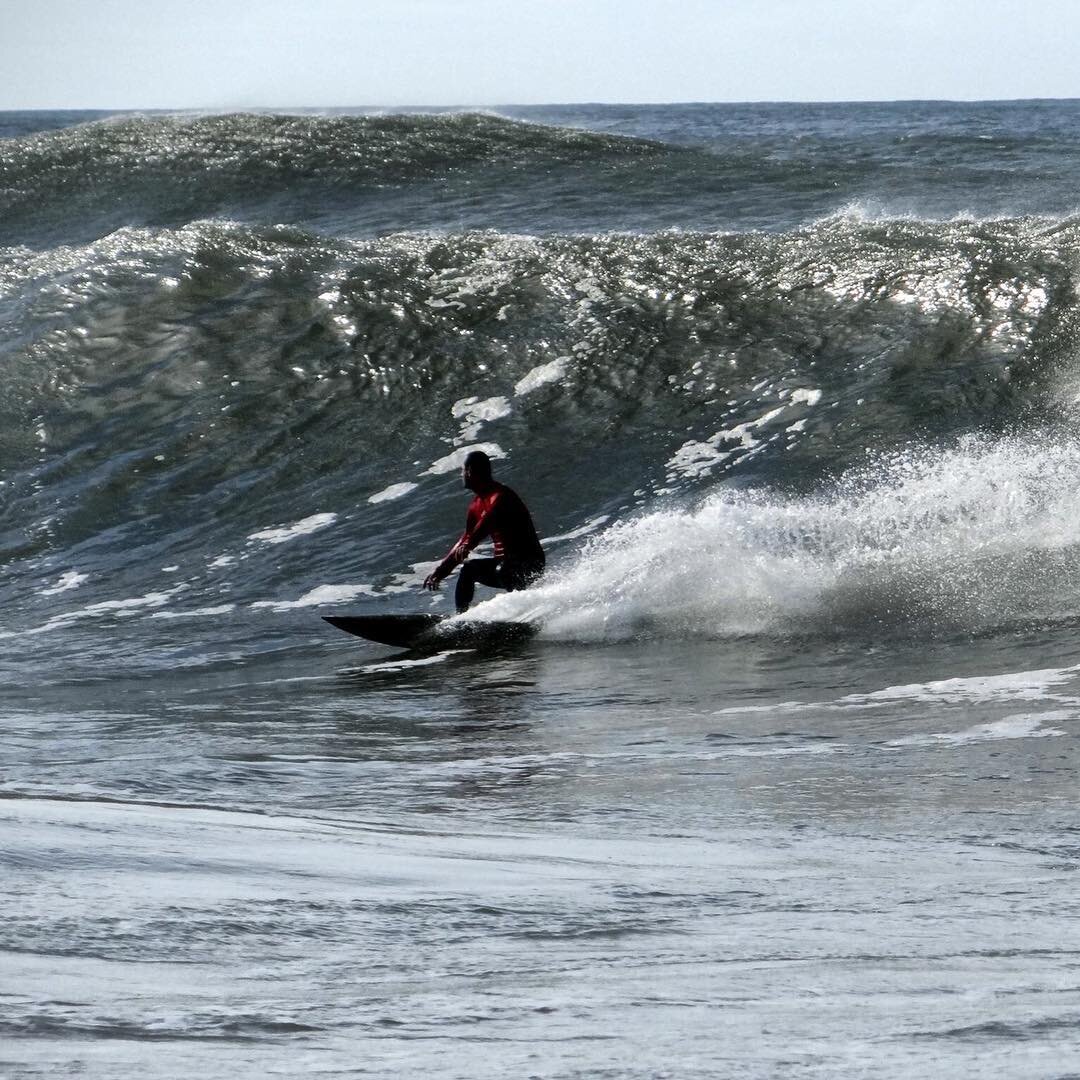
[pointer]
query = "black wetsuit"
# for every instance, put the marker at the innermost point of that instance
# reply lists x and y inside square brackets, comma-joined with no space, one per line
[498,513]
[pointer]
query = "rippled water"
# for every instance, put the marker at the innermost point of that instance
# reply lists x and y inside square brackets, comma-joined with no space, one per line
[712,859]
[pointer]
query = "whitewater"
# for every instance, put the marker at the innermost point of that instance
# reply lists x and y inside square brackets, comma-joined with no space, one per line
[784,784]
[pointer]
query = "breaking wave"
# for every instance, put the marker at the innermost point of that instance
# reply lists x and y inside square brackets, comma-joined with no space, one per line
[859,421]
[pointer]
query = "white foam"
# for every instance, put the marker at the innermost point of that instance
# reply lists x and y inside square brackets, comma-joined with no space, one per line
[195,613]
[394,491]
[697,458]
[693,571]
[473,409]
[1021,686]
[476,413]
[1021,726]
[972,537]
[404,665]
[120,608]
[542,375]
[453,462]
[322,594]
[771,751]
[281,534]
[694,459]
[1010,686]
[71,580]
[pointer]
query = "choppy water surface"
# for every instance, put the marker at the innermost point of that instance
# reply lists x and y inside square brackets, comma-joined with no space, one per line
[785,783]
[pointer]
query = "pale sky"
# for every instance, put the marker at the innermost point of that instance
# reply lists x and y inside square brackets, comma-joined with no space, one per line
[223,54]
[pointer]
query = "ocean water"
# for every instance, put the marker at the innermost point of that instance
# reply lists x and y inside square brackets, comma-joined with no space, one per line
[785,783]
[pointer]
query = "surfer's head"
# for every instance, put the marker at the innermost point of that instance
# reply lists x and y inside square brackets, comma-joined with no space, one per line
[476,471]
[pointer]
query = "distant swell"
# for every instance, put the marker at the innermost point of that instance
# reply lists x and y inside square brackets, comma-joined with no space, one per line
[364,175]
[89,179]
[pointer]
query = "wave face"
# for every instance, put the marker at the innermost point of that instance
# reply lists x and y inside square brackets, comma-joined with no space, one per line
[245,355]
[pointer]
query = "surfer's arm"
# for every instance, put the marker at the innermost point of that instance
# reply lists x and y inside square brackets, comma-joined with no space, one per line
[476,529]
[454,557]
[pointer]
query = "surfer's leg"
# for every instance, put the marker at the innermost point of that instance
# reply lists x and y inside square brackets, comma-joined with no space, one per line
[520,575]
[473,571]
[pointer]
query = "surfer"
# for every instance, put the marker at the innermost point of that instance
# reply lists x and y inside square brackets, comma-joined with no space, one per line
[496,512]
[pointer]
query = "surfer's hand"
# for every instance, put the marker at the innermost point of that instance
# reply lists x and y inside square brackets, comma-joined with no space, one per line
[432,581]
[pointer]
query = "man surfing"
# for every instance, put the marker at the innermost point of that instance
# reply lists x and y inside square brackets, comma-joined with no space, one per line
[496,512]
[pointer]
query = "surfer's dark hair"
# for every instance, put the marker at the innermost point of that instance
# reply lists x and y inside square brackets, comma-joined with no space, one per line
[479,463]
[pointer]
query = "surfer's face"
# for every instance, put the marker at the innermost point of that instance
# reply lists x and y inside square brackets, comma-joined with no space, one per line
[470,477]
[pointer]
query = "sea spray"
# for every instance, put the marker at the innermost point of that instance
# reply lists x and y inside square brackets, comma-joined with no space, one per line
[976,537]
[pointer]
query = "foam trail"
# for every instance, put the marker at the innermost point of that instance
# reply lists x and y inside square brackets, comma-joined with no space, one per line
[966,539]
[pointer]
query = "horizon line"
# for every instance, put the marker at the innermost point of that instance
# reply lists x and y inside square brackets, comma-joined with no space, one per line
[460,106]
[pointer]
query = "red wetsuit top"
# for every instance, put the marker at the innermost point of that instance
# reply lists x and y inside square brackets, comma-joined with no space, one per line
[500,514]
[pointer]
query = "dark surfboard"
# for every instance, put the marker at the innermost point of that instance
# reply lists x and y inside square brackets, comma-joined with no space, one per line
[430,631]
